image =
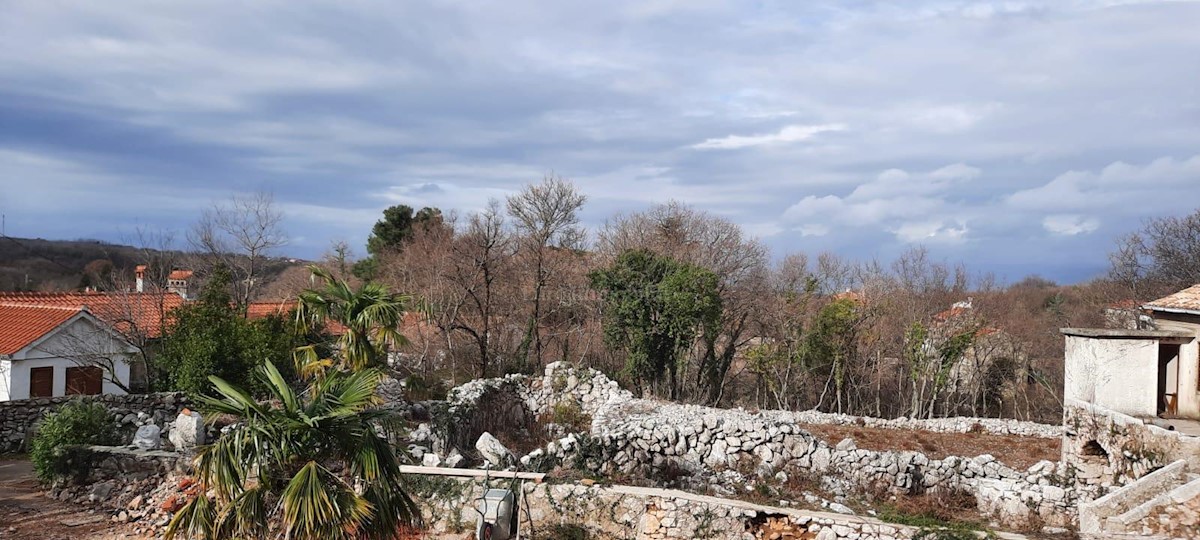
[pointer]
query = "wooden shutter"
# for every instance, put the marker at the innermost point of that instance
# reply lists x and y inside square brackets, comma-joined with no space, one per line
[41,382]
[85,380]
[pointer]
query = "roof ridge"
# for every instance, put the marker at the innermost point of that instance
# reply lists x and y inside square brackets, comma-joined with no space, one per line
[80,307]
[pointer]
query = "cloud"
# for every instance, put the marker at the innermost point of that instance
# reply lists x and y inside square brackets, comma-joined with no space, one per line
[895,200]
[932,231]
[1070,225]
[856,127]
[788,134]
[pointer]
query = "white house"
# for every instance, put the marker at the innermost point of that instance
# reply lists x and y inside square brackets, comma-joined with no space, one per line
[1143,373]
[51,351]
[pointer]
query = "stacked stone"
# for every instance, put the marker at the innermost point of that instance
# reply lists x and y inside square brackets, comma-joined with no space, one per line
[132,486]
[17,418]
[959,424]
[653,515]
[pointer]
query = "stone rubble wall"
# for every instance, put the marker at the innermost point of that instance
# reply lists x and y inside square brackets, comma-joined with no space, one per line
[645,437]
[628,513]
[1106,449]
[17,418]
[143,487]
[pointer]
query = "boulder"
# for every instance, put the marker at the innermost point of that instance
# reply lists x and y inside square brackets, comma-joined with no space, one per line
[454,460]
[188,431]
[148,437]
[493,450]
[431,460]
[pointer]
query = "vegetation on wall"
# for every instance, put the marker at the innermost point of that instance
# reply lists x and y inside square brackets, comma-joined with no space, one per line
[76,423]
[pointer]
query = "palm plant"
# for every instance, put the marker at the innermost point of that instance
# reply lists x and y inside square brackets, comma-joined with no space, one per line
[310,465]
[369,316]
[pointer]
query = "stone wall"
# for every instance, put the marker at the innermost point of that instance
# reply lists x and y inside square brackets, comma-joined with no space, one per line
[17,418]
[550,510]
[724,450]
[140,486]
[1105,449]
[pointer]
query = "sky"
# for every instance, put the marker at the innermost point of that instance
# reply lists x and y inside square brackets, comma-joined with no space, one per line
[1018,137]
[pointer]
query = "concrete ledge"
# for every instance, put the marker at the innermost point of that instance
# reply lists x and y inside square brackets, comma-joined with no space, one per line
[1093,515]
[1108,333]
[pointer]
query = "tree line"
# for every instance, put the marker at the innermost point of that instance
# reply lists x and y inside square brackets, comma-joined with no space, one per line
[682,304]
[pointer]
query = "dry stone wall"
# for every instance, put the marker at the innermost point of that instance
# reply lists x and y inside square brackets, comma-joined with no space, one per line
[724,449]
[632,513]
[18,418]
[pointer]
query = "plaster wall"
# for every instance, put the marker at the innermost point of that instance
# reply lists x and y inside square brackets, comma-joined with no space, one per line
[80,342]
[1117,374]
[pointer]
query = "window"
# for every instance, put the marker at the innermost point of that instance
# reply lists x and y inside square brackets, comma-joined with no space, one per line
[41,382]
[87,380]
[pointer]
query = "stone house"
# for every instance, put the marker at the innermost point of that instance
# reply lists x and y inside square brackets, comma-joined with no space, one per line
[52,351]
[1153,373]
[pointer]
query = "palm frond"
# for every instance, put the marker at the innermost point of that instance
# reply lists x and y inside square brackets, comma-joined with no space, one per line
[316,505]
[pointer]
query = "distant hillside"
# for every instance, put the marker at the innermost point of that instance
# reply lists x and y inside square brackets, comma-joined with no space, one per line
[36,264]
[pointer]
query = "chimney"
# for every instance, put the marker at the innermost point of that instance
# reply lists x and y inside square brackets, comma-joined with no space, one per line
[140,273]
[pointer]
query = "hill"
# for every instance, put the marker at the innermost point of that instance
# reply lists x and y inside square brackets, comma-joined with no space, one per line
[37,264]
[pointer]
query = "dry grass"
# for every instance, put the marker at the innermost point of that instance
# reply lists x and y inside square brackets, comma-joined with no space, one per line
[1012,450]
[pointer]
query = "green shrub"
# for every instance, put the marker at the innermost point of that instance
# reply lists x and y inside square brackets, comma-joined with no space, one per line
[74,424]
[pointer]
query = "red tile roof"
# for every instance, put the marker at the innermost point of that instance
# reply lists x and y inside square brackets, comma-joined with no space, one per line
[180,274]
[21,325]
[266,308]
[130,313]
[1187,301]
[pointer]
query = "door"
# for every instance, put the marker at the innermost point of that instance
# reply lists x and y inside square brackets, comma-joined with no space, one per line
[84,380]
[41,382]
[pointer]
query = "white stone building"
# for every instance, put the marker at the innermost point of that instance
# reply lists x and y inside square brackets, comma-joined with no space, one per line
[51,351]
[1142,373]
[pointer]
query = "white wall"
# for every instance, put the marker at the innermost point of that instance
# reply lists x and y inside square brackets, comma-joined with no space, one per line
[1117,374]
[67,347]
[5,380]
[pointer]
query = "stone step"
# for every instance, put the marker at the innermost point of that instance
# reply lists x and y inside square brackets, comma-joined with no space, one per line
[1125,523]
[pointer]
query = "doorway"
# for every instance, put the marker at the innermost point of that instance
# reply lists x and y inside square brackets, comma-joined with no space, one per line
[1168,379]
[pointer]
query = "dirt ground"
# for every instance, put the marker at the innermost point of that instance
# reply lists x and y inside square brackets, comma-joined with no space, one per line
[26,513]
[1015,451]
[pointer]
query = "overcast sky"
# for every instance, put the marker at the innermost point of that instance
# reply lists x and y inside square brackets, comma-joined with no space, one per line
[1018,136]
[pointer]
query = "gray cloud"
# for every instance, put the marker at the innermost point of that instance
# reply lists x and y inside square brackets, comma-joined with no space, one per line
[1022,136]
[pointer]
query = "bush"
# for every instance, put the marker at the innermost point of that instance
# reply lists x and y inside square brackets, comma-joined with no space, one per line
[75,424]
[571,415]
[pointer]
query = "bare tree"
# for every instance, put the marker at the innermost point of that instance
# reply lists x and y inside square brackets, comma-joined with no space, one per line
[240,234]
[546,215]
[89,343]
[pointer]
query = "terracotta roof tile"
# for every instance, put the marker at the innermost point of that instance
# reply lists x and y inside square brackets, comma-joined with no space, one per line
[21,325]
[128,312]
[1187,300]
[180,274]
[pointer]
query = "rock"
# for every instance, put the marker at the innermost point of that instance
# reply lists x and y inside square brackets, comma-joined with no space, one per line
[431,460]
[493,450]
[846,445]
[100,491]
[454,460]
[148,437]
[188,431]
[135,503]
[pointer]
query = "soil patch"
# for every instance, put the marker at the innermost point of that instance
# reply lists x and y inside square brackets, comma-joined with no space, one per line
[26,513]
[1013,450]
